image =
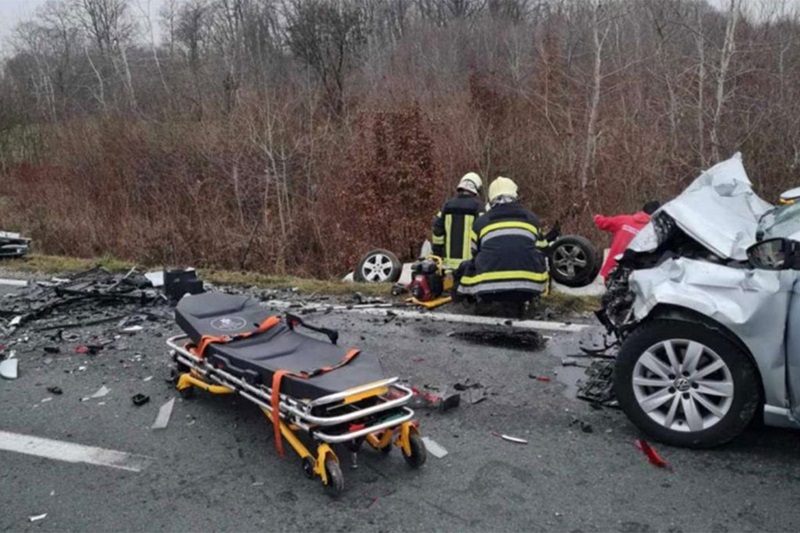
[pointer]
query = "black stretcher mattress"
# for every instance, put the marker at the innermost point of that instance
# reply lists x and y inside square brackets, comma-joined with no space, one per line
[279,348]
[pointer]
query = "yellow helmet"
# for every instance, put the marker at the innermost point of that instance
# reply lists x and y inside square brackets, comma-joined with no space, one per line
[470,182]
[502,187]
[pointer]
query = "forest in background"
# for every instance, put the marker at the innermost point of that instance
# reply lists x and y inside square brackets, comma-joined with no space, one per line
[291,136]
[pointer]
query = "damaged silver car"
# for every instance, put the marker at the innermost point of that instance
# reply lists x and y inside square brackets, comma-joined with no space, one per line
[706,304]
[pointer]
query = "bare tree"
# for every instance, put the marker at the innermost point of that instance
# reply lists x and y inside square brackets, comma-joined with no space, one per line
[329,38]
[728,49]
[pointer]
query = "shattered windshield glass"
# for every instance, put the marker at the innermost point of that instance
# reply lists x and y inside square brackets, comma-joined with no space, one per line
[782,221]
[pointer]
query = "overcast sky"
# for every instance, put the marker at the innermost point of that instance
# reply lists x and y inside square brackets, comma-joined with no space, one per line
[12,11]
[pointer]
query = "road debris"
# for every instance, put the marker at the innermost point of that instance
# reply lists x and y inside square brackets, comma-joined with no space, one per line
[585,426]
[164,413]
[652,455]
[9,368]
[441,401]
[543,379]
[502,338]
[36,518]
[55,390]
[140,399]
[509,438]
[434,448]
[87,298]
[102,391]
[598,387]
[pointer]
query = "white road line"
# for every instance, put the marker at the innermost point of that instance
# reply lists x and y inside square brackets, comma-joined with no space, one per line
[72,453]
[538,325]
[14,282]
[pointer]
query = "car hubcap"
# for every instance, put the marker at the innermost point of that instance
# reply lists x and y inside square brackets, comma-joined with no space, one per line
[377,268]
[569,259]
[683,385]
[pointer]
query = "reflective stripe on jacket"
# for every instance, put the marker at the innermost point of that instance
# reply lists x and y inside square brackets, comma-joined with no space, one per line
[508,255]
[451,229]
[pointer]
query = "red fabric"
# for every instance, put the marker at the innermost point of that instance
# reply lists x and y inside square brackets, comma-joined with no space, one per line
[624,228]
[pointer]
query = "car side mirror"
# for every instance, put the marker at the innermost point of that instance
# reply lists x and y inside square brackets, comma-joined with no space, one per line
[775,254]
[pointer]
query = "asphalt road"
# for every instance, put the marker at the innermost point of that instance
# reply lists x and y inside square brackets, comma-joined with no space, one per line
[215,467]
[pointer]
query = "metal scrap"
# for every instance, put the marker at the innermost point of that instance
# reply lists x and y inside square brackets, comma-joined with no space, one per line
[88,298]
[598,387]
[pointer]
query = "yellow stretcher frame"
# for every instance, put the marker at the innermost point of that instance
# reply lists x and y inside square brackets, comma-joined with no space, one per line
[324,463]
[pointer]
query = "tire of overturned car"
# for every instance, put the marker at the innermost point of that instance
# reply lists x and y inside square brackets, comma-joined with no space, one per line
[378,266]
[663,346]
[574,261]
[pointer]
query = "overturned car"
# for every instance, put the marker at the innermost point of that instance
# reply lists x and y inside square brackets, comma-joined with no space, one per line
[710,334]
[13,245]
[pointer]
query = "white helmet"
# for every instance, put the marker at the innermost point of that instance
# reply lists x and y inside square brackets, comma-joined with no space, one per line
[471,182]
[502,187]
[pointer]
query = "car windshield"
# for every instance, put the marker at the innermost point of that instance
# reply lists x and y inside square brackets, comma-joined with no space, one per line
[782,221]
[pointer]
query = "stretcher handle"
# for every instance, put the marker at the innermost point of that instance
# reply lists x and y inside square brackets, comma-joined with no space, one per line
[294,321]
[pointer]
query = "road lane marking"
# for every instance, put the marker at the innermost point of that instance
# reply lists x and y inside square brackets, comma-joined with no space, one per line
[13,282]
[72,453]
[384,310]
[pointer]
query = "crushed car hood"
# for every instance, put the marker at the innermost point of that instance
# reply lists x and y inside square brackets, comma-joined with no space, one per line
[719,210]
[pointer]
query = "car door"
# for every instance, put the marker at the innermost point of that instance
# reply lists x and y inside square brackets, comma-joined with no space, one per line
[793,352]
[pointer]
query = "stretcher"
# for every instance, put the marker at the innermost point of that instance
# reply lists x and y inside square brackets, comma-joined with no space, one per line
[307,387]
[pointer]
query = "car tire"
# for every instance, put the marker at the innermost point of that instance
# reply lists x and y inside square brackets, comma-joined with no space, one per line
[574,261]
[378,266]
[719,396]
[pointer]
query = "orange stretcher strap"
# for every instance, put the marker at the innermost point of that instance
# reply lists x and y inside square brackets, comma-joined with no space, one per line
[207,340]
[275,399]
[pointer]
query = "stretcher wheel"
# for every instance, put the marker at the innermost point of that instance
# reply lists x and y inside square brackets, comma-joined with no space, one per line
[308,467]
[335,484]
[418,452]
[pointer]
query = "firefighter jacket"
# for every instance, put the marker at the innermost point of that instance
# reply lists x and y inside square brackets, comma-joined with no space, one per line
[452,227]
[508,253]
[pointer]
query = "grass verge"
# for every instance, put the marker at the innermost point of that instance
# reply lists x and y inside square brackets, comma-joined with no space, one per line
[558,302]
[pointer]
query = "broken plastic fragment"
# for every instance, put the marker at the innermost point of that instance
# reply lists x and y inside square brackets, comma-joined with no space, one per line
[140,399]
[133,329]
[102,391]
[37,517]
[509,438]
[434,448]
[162,420]
[16,321]
[652,455]
[9,368]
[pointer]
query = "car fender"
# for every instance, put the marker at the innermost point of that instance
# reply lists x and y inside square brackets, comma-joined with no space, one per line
[752,305]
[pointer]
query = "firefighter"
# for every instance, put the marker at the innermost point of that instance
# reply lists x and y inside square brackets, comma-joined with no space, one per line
[623,229]
[452,225]
[509,263]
